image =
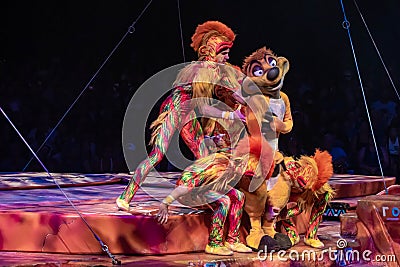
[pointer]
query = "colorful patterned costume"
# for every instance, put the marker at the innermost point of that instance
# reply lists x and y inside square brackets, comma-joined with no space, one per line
[209,182]
[211,179]
[309,176]
[196,81]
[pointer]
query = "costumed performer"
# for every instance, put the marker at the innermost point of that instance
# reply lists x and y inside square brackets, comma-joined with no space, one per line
[212,41]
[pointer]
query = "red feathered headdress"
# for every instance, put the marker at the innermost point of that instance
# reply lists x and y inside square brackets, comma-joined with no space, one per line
[210,38]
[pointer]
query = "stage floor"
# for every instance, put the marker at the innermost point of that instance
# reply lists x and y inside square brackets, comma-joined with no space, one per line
[39,226]
[329,233]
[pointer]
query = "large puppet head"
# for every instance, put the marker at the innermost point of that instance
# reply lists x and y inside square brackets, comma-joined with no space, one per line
[266,70]
[210,38]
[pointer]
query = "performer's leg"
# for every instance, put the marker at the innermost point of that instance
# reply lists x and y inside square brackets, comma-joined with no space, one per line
[235,218]
[215,241]
[139,176]
[192,135]
[218,220]
[291,231]
[317,212]
[290,213]
[168,121]
[235,215]
[288,223]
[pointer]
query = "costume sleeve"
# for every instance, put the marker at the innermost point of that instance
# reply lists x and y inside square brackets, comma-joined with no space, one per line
[287,119]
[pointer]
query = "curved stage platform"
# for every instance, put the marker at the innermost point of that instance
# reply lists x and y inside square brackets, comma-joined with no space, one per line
[38,224]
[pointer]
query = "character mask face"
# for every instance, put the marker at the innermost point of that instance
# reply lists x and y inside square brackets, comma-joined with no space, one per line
[213,46]
[266,70]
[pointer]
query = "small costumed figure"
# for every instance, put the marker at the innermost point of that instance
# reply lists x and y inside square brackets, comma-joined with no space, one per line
[309,176]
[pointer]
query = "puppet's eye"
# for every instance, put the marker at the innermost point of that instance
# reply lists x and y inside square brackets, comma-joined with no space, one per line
[258,71]
[272,61]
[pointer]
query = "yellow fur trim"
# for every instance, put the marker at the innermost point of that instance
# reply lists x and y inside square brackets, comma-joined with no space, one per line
[308,197]
[218,174]
[310,170]
[278,196]
[225,114]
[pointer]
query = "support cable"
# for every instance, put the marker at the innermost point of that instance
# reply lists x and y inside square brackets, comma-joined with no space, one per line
[346,25]
[377,51]
[131,29]
[104,247]
[180,30]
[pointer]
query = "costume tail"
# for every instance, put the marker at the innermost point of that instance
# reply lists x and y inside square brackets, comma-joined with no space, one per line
[325,168]
[318,187]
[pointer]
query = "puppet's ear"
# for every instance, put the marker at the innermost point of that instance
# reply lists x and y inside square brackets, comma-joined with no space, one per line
[282,61]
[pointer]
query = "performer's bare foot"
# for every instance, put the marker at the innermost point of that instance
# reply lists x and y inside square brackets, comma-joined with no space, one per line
[122,204]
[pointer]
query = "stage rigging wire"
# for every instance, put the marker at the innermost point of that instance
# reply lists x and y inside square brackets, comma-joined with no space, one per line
[180,30]
[346,25]
[377,50]
[131,29]
[104,247]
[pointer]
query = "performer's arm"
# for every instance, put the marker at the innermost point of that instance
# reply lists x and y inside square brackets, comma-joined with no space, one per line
[163,209]
[286,125]
[213,112]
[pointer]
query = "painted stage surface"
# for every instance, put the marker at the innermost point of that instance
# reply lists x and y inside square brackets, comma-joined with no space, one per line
[38,225]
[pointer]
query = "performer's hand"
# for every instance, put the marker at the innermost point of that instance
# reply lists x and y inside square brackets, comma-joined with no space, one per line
[277,124]
[239,115]
[162,213]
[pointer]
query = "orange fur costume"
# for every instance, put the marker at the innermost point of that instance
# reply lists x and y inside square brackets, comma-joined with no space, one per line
[266,72]
[265,75]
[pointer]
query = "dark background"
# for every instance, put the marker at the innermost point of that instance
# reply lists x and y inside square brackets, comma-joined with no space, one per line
[51,50]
